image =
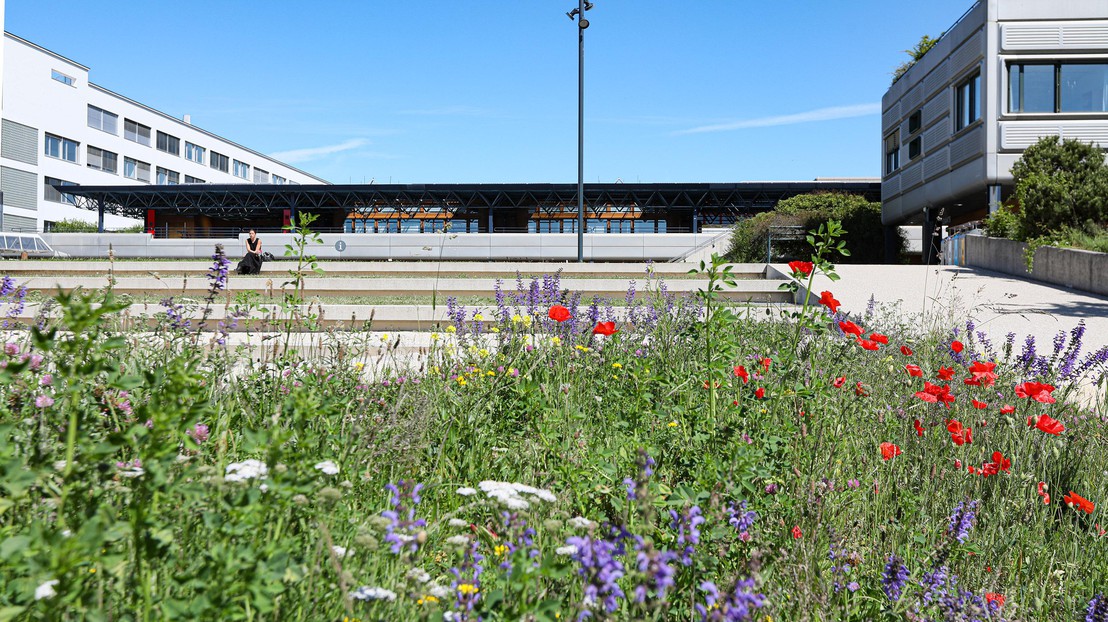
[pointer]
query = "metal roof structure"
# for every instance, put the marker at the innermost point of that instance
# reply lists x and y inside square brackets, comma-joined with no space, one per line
[232,200]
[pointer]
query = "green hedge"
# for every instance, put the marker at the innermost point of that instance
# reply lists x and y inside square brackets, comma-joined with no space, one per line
[865,235]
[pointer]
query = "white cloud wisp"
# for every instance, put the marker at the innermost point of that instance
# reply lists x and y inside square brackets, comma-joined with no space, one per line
[811,116]
[293,156]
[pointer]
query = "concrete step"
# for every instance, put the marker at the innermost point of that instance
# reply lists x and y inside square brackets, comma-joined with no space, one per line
[371,269]
[761,290]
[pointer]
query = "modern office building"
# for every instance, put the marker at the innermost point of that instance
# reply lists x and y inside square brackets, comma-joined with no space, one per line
[1004,75]
[58,128]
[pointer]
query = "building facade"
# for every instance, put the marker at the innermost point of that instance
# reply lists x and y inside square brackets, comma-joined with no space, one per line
[60,129]
[1008,73]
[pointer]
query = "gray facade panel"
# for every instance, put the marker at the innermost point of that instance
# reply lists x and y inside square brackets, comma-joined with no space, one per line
[936,164]
[19,142]
[970,145]
[19,223]
[20,188]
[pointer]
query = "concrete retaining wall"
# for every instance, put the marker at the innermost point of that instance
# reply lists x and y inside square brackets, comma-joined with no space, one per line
[1077,269]
[401,246]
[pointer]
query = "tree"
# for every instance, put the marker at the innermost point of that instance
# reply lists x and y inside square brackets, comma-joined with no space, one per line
[1060,184]
[917,53]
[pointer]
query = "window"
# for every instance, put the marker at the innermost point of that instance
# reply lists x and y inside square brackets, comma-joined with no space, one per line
[61,148]
[915,122]
[277,179]
[194,153]
[169,144]
[220,162]
[134,169]
[103,120]
[167,177]
[189,179]
[260,176]
[915,148]
[968,108]
[61,77]
[892,152]
[102,160]
[242,169]
[136,132]
[50,193]
[1058,87]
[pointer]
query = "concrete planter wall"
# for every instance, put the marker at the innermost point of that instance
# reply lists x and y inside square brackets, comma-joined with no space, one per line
[1077,269]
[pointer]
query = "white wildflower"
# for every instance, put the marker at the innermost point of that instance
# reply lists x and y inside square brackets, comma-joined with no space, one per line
[46,590]
[568,549]
[439,591]
[328,467]
[418,575]
[247,469]
[342,552]
[132,472]
[373,593]
[580,522]
[59,465]
[450,616]
[458,540]
[510,494]
[457,522]
[466,491]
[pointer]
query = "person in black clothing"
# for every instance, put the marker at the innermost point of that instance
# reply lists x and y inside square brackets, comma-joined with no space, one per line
[252,263]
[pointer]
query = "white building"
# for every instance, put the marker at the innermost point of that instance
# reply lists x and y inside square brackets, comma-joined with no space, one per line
[1006,74]
[59,128]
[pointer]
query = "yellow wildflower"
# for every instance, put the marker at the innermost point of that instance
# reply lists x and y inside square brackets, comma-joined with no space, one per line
[434,336]
[500,550]
[527,320]
[581,348]
[672,424]
[451,329]
[490,373]
[516,319]
[462,381]
[555,341]
[617,366]
[482,352]
[477,317]
[494,329]
[359,366]
[467,589]
[384,336]
[427,599]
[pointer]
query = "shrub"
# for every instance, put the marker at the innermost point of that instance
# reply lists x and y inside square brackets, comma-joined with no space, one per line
[1060,184]
[72,225]
[861,219]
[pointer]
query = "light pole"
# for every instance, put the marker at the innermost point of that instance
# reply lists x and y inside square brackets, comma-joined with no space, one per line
[578,15]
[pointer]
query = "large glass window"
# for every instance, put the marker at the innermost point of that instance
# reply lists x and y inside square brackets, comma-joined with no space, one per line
[61,148]
[892,152]
[1058,87]
[134,169]
[168,177]
[50,193]
[102,160]
[968,103]
[220,162]
[103,120]
[61,77]
[189,179]
[137,132]
[260,176]
[277,179]
[242,169]
[194,152]
[169,144]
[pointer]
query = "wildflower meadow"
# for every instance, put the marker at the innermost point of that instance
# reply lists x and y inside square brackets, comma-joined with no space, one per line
[551,457]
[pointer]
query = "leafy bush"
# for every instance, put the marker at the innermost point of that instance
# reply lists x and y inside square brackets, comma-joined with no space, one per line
[1060,184]
[73,225]
[918,52]
[864,234]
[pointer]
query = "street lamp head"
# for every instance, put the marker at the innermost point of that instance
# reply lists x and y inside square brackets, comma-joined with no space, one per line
[588,5]
[572,14]
[582,23]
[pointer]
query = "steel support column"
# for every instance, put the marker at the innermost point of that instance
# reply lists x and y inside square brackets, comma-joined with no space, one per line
[931,233]
[100,215]
[995,199]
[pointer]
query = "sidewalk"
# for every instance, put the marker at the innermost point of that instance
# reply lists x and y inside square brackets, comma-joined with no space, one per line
[946,296]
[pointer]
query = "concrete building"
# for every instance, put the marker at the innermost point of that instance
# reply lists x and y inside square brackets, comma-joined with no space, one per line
[58,128]
[1004,75]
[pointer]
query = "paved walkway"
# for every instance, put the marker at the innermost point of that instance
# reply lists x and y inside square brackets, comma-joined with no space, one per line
[946,296]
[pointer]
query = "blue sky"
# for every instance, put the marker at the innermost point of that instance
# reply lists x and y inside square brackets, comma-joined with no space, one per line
[438,91]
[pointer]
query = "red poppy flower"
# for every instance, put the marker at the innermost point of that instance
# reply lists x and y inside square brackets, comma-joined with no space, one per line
[1037,391]
[972,470]
[959,433]
[827,300]
[760,393]
[740,372]
[867,344]
[888,450]
[905,350]
[1007,409]
[797,533]
[980,405]
[1081,503]
[993,597]
[919,427]
[933,394]
[1043,493]
[914,370]
[983,374]
[839,382]
[1001,461]
[1047,424]
[946,373]
[766,362]
[879,338]
[558,313]
[850,328]
[860,390]
[801,267]
[956,346]
[605,328]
